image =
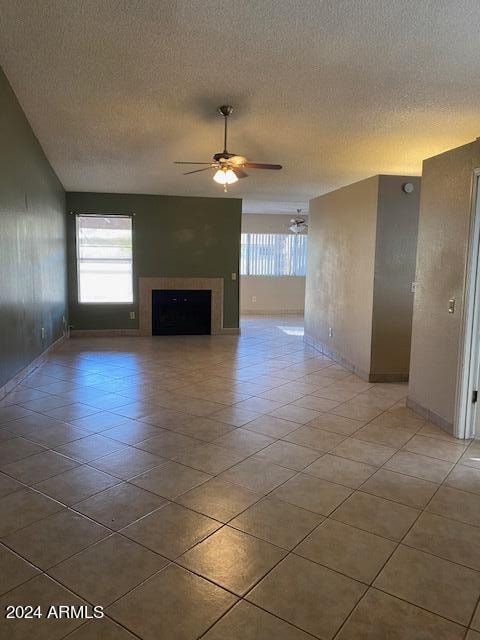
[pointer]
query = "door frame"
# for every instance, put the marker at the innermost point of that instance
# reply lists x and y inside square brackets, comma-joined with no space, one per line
[468,378]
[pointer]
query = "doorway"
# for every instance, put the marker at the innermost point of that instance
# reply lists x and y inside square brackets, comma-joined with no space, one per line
[467,422]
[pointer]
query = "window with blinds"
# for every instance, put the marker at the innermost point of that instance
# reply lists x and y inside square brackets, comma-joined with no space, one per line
[104,259]
[273,254]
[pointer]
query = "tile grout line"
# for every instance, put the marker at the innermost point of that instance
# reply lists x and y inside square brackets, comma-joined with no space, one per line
[422,511]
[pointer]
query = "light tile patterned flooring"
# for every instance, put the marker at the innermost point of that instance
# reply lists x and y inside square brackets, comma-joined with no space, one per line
[232,488]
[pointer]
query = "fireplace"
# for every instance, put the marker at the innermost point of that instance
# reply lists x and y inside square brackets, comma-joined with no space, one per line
[146,286]
[181,312]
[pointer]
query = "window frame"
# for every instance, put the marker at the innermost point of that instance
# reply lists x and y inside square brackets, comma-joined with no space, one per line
[77,256]
[268,275]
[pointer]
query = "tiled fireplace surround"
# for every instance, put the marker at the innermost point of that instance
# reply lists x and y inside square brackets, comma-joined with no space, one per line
[147,285]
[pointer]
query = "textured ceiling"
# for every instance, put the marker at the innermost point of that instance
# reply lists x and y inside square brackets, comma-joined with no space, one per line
[334,90]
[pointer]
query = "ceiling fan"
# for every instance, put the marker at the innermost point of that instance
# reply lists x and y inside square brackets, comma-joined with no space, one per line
[298,224]
[229,166]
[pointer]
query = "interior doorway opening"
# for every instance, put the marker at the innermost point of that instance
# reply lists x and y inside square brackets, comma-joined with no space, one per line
[273,263]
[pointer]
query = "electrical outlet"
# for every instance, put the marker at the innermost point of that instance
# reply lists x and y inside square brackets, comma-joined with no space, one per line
[330,332]
[254,298]
[413,288]
[132,315]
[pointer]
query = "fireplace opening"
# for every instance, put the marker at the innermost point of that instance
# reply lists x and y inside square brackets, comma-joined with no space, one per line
[181,312]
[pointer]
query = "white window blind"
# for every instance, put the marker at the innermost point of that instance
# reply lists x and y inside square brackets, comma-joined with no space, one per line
[104,259]
[273,254]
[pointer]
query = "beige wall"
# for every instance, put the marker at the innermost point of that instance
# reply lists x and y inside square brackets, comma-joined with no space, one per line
[445,209]
[273,295]
[395,256]
[267,222]
[340,272]
[361,263]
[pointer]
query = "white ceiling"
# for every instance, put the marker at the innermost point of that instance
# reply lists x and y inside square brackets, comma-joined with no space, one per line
[335,90]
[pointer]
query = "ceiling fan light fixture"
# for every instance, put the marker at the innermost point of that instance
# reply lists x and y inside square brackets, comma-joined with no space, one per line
[225,176]
[231,177]
[299,224]
[220,177]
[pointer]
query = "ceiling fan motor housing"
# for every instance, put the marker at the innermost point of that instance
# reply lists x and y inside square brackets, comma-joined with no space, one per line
[218,157]
[225,110]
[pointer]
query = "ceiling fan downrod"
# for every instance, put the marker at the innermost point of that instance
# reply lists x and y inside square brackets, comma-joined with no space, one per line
[225,110]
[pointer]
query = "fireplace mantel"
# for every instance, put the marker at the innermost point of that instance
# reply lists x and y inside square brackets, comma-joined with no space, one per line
[147,285]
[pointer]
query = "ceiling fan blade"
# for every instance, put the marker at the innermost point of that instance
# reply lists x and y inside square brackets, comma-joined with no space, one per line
[239,173]
[196,171]
[259,165]
[179,162]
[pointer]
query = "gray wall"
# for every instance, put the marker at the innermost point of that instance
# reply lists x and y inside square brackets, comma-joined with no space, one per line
[274,295]
[172,236]
[340,271]
[362,243]
[444,223]
[395,257]
[32,242]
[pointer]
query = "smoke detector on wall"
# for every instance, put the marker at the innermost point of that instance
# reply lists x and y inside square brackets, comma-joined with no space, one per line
[298,224]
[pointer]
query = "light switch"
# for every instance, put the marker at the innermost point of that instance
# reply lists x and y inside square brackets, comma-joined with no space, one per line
[234,276]
[451,305]
[132,315]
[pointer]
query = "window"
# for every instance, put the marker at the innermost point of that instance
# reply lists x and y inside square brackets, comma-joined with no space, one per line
[273,254]
[104,259]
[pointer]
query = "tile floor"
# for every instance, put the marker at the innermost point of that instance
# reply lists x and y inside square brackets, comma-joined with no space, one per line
[242,488]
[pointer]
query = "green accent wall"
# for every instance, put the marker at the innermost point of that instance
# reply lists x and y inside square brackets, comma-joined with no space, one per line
[172,236]
[32,242]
